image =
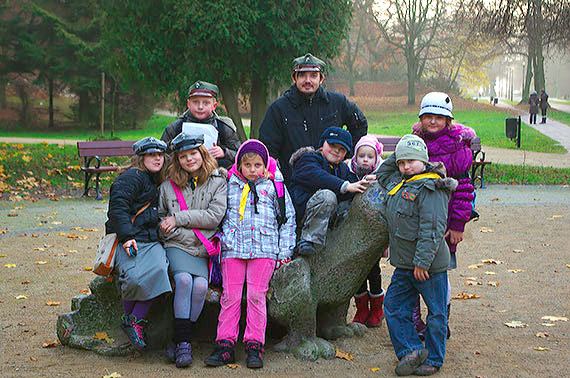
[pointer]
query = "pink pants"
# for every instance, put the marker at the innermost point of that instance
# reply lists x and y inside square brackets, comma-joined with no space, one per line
[256,273]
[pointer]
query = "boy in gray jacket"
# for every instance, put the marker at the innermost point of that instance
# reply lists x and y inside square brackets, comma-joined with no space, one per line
[416,212]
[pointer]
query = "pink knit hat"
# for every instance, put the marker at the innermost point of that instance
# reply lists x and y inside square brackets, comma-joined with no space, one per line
[370,141]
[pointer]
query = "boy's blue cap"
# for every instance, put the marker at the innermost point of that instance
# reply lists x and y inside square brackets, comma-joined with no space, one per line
[184,141]
[149,145]
[337,135]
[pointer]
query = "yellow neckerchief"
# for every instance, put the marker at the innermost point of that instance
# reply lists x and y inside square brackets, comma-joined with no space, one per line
[243,201]
[193,182]
[413,178]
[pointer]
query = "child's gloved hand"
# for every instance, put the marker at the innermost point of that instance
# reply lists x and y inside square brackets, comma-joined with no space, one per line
[130,246]
[281,262]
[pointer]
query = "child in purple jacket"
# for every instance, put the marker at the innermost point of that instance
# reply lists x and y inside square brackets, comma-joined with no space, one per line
[449,143]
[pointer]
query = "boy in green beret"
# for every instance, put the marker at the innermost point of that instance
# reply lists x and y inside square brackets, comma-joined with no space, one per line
[202,104]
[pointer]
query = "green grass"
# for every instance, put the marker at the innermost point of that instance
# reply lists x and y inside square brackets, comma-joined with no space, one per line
[489,126]
[558,116]
[515,174]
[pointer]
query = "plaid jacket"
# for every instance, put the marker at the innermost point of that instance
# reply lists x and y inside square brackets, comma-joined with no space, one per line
[257,236]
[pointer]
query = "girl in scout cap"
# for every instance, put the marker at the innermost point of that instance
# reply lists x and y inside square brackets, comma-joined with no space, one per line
[416,213]
[449,143]
[254,244]
[141,263]
[192,205]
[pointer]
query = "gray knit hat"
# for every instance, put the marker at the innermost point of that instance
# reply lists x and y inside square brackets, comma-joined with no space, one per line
[411,147]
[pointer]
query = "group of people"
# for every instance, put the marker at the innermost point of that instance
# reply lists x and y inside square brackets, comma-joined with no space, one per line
[535,102]
[273,199]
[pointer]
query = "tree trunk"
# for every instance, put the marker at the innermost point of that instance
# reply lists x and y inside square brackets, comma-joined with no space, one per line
[231,102]
[411,63]
[258,106]
[527,78]
[3,99]
[83,106]
[50,107]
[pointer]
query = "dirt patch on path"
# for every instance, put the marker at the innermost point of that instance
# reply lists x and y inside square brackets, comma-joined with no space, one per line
[530,240]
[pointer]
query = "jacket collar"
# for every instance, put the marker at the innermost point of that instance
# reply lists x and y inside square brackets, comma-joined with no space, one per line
[297,98]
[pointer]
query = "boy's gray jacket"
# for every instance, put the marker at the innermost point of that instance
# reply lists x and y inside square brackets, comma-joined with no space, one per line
[417,218]
[257,236]
[206,209]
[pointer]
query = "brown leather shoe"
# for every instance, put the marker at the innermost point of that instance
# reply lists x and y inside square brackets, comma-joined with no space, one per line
[426,369]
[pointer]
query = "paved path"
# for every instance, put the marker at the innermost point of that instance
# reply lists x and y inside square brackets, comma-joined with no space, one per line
[558,131]
[561,107]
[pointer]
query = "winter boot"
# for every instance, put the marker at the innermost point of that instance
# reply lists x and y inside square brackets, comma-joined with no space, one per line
[418,322]
[305,248]
[543,120]
[222,355]
[376,310]
[448,330]
[362,311]
[134,329]
[254,355]
[182,337]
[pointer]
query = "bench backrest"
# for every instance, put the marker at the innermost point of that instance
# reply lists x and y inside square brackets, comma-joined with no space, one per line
[391,142]
[105,148]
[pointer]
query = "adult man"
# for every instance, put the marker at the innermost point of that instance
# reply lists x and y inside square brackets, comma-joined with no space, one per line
[299,117]
[543,104]
[201,109]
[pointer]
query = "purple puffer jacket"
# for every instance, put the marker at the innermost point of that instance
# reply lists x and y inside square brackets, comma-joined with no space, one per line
[452,146]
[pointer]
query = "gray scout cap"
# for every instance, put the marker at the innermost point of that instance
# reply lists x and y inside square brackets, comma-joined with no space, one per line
[149,145]
[203,88]
[184,141]
[308,62]
[411,147]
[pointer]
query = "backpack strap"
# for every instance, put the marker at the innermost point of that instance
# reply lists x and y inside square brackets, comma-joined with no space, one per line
[210,247]
[280,190]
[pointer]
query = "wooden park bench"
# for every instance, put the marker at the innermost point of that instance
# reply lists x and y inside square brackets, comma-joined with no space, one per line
[93,151]
[477,167]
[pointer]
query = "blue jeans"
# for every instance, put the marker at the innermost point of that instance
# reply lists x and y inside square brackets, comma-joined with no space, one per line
[399,307]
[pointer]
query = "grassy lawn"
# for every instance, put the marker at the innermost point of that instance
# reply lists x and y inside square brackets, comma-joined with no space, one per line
[515,174]
[489,126]
[558,116]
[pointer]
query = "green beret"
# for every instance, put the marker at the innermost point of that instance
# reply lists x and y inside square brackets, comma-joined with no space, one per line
[203,88]
[308,62]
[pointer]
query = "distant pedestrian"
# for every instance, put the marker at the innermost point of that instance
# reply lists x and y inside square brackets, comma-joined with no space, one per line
[533,107]
[543,104]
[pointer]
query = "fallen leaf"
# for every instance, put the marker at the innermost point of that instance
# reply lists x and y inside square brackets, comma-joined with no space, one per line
[113,375]
[548,324]
[88,268]
[3,255]
[56,222]
[71,251]
[23,296]
[515,270]
[52,303]
[344,355]
[100,335]
[40,262]
[25,282]
[85,291]
[518,250]
[374,369]
[546,244]
[485,229]
[492,283]
[555,217]
[567,265]
[475,266]
[233,366]
[542,334]
[477,352]
[472,283]
[10,266]
[12,215]
[492,262]
[555,318]
[541,349]
[39,249]
[490,273]
[51,344]
[516,324]
[33,359]
[466,296]
[472,278]
[495,199]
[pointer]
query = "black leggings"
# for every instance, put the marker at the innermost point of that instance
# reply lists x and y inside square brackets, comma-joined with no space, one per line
[374,279]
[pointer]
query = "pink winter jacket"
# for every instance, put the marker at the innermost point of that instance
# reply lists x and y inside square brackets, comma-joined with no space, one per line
[452,146]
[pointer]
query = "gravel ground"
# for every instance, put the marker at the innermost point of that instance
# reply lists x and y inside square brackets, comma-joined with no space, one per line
[523,229]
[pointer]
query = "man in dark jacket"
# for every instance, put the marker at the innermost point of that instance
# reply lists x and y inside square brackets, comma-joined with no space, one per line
[299,117]
[543,104]
[201,109]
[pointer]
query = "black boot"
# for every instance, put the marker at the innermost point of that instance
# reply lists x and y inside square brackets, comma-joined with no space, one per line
[448,330]
[182,337]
